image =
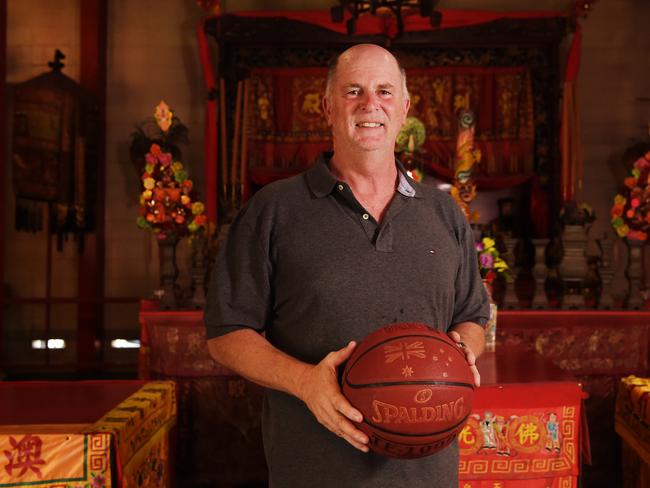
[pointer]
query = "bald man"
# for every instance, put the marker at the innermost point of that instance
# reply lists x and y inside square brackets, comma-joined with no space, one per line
[318,261]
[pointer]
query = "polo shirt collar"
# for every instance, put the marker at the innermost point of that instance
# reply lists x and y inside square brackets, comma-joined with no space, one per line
[321,181]
[319,178]
[404,185]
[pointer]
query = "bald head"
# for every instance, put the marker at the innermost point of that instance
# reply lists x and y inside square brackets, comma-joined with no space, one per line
[351,55]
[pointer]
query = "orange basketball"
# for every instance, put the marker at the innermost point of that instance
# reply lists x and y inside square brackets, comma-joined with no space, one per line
[413,386]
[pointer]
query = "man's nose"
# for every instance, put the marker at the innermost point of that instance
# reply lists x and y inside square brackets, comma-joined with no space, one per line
[369,101]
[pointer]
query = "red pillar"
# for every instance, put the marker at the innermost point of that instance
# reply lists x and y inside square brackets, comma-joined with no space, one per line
[3,111]
[210,150]
[90,314]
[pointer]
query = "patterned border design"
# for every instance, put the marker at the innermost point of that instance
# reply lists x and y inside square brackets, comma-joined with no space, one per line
[472,466]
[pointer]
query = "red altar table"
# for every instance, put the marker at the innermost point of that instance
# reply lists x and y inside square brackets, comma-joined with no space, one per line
[633,426]
[219,424]
[524,400]
[598,347]
[85,434]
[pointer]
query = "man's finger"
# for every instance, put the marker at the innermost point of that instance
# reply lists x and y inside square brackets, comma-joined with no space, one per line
[342,355]
[355,443]
[476,374]
[343,406]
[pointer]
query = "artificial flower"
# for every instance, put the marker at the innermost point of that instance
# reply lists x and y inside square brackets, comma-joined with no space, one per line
[198,208]
[166,198]
[630,214]
[486,260]
[490,262]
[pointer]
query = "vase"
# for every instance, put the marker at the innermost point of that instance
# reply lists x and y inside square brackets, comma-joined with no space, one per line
[539,273]
[168,272]
[606,273]
[573,267]
[635,273]
[198,271]
[491,325]
[510,299]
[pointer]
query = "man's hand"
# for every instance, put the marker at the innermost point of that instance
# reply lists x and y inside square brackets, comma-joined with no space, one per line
[469,354]
[319,389]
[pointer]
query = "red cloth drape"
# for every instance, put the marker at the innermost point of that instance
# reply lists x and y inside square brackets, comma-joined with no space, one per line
[570,143]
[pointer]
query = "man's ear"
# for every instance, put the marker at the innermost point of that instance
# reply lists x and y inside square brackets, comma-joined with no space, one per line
[327,109]
[406,108]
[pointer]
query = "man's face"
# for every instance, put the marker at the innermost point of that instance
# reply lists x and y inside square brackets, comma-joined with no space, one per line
[367,105]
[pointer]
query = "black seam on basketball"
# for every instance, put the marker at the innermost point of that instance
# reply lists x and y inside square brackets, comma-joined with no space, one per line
[415,435]
[402,337]
[407,383]
[412,442]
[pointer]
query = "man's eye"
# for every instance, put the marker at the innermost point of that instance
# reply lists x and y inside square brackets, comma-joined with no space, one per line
[354,91]
[385,92]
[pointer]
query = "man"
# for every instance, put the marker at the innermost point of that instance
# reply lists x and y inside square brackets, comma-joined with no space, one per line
[319,261]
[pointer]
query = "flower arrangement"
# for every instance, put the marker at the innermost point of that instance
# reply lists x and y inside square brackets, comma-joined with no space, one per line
[630,214]
[490,262]
[167,207]
[167,203]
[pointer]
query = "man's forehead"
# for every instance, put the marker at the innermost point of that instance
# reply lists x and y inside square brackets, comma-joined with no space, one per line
[353,72]
[376,57]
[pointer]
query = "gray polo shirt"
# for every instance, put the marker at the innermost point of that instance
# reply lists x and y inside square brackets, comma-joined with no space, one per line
[306,264]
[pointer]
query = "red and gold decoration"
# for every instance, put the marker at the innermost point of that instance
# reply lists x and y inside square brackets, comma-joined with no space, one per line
[127,447]
[463,189]
[280,130]
[632,423]
[501,101]
[522,435]
[630,214]
[285,127]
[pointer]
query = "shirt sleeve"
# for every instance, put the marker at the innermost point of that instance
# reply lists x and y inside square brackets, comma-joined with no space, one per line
[239,291]
[472,303]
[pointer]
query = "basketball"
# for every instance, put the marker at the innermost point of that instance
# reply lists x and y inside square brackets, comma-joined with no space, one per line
[413,386]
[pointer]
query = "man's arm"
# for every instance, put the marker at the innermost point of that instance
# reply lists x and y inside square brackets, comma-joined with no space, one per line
[472,335]
[250,355]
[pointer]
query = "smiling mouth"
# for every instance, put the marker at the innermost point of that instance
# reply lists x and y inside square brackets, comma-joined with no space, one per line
[371,125]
